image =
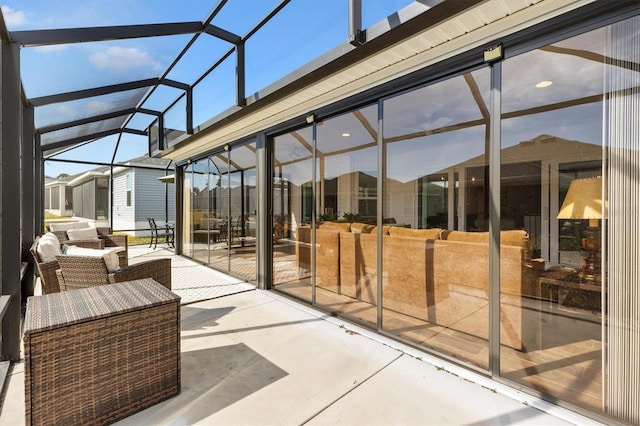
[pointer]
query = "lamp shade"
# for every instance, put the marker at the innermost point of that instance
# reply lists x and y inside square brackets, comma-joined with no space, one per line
[584,200]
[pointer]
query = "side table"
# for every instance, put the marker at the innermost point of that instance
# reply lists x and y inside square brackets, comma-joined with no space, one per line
[96,355]
[552,283]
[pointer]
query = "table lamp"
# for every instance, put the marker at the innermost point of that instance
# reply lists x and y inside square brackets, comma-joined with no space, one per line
[584,201]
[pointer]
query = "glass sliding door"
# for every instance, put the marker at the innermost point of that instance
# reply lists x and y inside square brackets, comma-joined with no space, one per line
[292,203]
[219,219]
[551,252]
[346,196]
[187,211]
[215,222]
[242,256]
[561,191]
[200,209]
[435,248]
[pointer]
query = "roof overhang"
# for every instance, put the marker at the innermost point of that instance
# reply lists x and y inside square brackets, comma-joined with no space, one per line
[85,177]
[424,39]
[168,178]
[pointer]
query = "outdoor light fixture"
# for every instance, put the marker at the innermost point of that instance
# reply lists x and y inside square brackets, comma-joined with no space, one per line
[227,147]
[493,53]
[543,84]
[584,201]
[346,134]
[311,118]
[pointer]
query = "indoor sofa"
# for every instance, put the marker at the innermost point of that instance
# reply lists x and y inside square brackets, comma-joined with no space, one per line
[435,275]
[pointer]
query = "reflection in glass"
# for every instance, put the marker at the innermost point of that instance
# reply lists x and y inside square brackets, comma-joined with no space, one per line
[435,245]
[552,136]
[220,211]
[292,201]
[346,193]
[243,210]
[199,209]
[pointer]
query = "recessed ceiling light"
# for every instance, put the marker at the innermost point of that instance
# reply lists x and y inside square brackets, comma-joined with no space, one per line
[545,83]
[346,135]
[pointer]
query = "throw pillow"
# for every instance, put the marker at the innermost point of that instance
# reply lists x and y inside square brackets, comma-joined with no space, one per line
[48,247]
[83,234]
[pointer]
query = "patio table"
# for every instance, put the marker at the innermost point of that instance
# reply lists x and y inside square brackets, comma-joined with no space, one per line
[99,354]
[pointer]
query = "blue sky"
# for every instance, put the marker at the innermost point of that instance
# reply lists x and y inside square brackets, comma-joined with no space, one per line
[54,69]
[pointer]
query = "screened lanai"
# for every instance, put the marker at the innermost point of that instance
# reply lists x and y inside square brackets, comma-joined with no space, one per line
[459,123]
[96,90]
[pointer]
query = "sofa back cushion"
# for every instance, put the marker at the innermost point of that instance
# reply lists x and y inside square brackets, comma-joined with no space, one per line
[361,228]
[428,234]
[515,237]
[385,229]
[81,225]
[58,227]
[48,247]
[336,226]
[82,234]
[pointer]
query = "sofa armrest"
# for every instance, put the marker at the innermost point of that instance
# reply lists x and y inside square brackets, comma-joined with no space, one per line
[158,269]
[538,263]
[48,277]
[102,231]
[117,241]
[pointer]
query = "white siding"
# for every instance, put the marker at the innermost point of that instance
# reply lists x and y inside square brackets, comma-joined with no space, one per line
[123,216]
[149,199]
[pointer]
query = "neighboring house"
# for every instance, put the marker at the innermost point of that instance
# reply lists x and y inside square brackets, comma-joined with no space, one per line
[91,195]
[58,196]
[138,193]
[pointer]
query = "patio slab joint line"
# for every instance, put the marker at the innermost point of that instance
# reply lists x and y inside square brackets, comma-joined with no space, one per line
[375,373]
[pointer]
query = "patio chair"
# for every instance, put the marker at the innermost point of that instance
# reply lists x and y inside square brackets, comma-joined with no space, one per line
[167,230]
[88,271]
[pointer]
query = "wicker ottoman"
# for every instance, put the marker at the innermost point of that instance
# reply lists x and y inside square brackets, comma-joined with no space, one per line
[99,354]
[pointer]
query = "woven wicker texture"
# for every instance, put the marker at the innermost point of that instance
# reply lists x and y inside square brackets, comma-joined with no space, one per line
[47,270]
[84,271]
[96,355]
[107,239]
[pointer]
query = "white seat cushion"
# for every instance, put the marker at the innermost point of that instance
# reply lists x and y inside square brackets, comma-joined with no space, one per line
[110,256]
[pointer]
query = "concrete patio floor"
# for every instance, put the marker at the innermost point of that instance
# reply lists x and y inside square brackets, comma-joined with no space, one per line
[258,358]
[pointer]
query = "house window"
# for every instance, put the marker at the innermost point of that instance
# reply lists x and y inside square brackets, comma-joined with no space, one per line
[128,188]
[68,198]
[47,198]
[55,198]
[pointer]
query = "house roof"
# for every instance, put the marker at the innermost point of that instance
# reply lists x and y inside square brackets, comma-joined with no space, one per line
[541,148]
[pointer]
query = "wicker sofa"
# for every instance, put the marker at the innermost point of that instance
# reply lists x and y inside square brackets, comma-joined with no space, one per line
[64,232]
[432,274]
[46,267]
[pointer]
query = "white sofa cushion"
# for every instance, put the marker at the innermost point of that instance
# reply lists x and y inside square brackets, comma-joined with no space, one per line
[57,227]
[48,247]
[81,225]
[82,234]
[110,256]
